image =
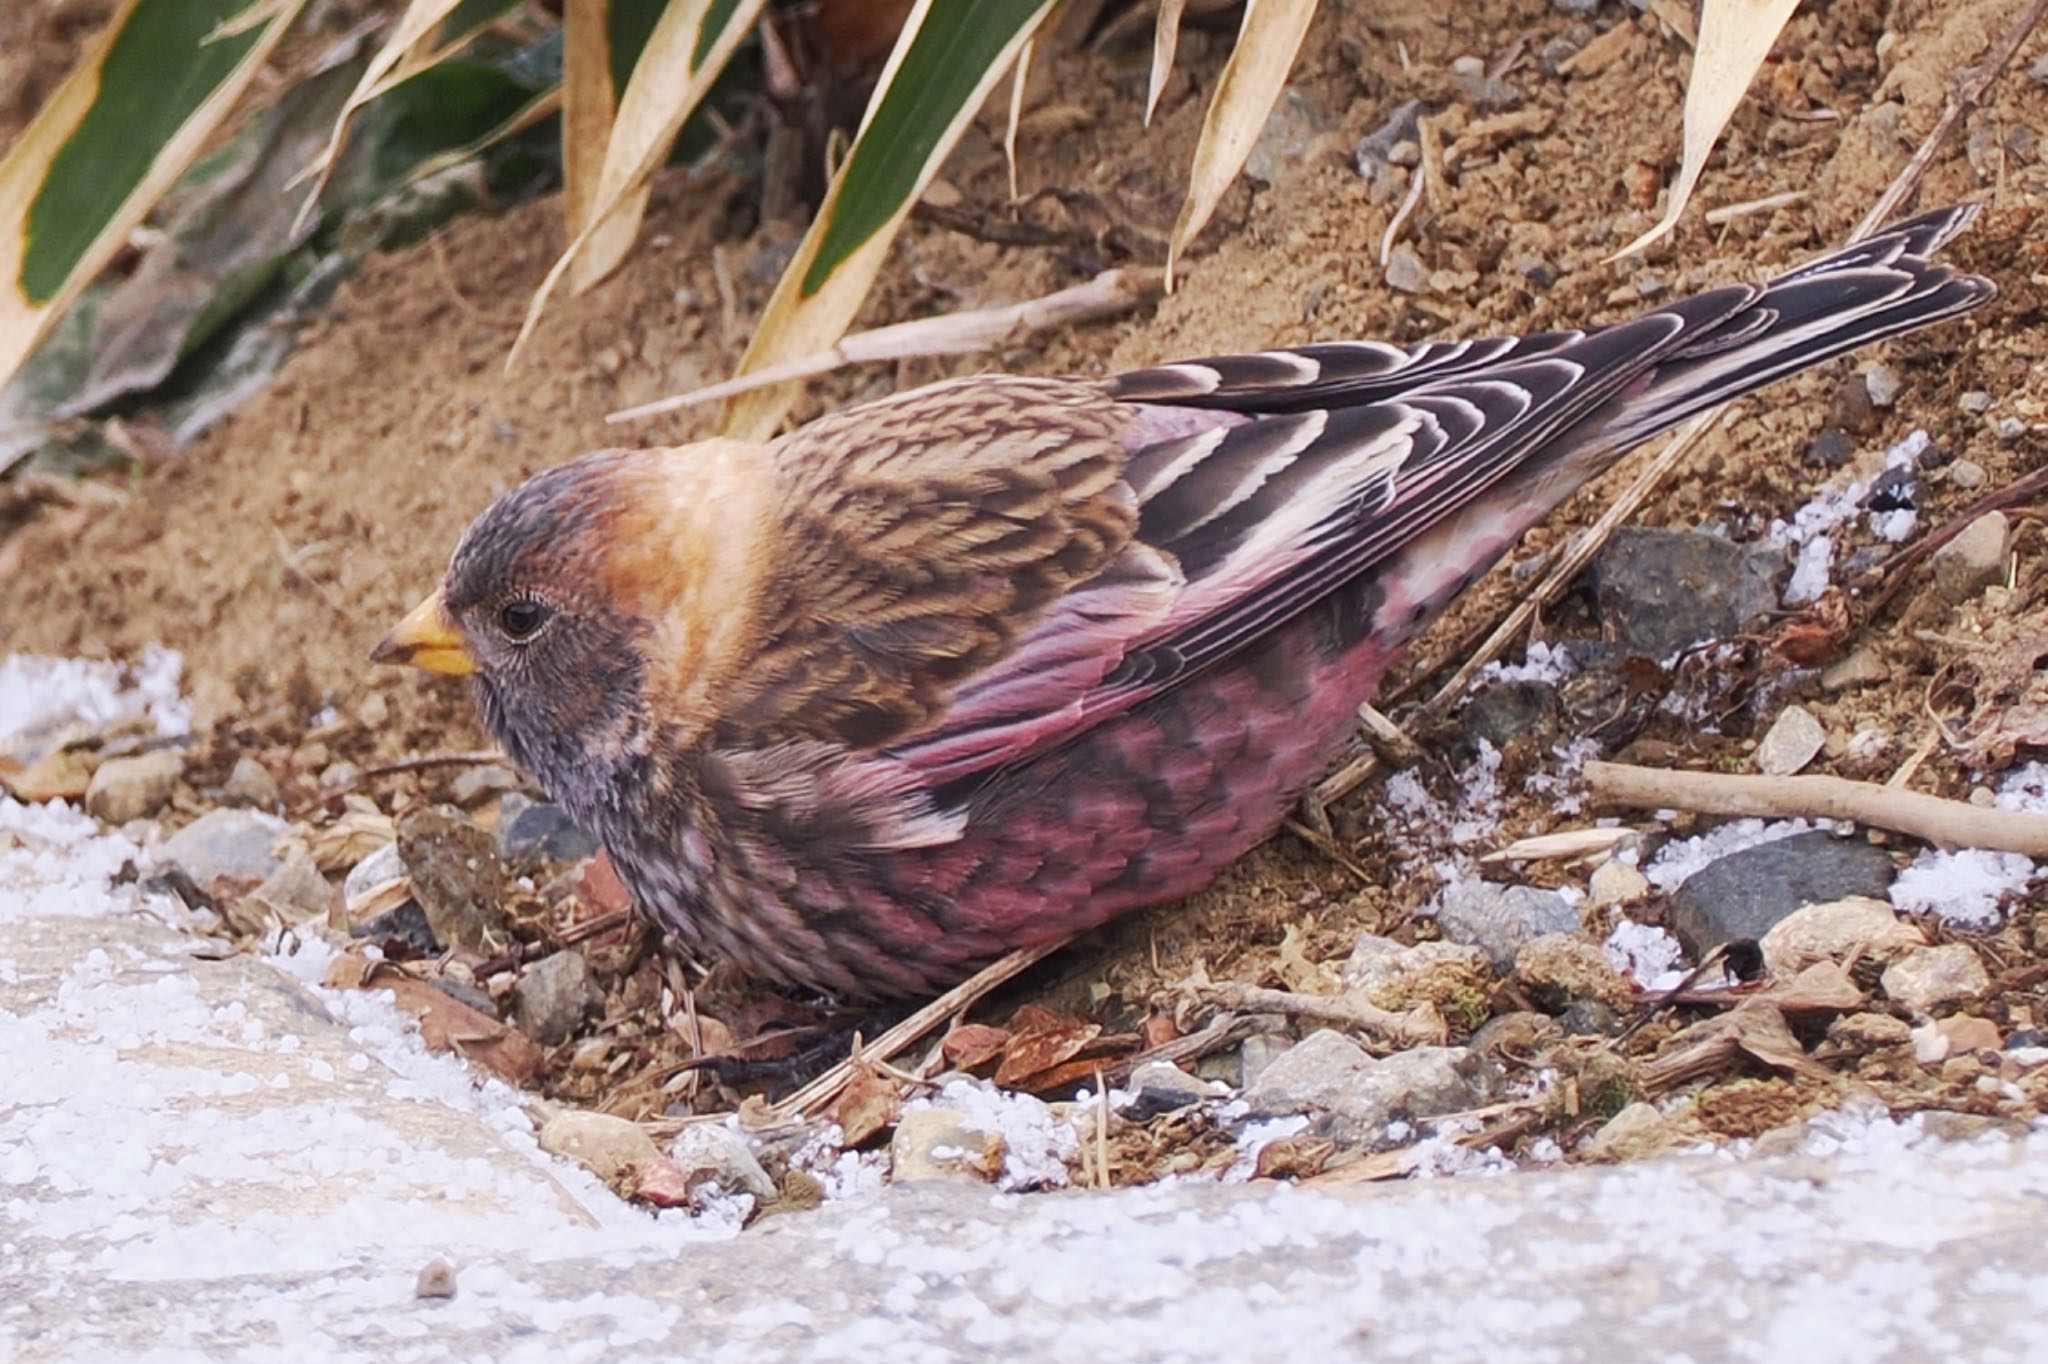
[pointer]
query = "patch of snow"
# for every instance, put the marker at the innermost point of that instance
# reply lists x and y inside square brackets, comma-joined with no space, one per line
[1540,663]
[1831,507]
[1255,1137]
[56,862]
[40,695]
[1036,1144]
[1680,858]
[1895,526]
[1646,952]
[1970,886]
[1812,571]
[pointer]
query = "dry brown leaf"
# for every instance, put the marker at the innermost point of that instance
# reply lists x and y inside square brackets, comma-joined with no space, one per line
[1042,1041]
[973,1045]
[2010,700]
[1735,36]
[867,1107]
[587,106]
[447,1024]
[1165,42]
[1252,79]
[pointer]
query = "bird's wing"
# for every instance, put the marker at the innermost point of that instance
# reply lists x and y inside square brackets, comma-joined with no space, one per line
[979,571]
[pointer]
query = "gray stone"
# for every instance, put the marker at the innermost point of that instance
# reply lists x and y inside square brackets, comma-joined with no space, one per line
[1499,919]
[226,847]
[1507,713]
[1882,381]
[1352,1095]
[456,877]
[1589,1018]
[373,871]
[1375,151]
[1791,742]
[1285,138]
[296,891]
[1161,1087]
[2008,429]
[553,996]
[1926,978]
[1405,271]
[134,788]
[1744,894]
[1966,474]
[1660,591]
[250,783]
[1390,976]
[1257,1052]
[714,1157]
[1974,560]
[1976,402]
[544,831]
[1860,668]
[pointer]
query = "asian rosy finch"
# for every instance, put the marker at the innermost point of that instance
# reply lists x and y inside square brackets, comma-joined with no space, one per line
[983,664]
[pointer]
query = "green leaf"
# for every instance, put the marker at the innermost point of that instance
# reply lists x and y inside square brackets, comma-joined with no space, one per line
[947,66]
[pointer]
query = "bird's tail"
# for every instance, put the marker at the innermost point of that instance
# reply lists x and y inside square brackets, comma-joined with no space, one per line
[1879,287]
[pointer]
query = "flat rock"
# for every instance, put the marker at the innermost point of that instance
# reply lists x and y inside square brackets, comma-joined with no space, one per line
[237,847]
[1390,976]
[1498,919]
[1791,742]
[122,789]
[1161,1087]
[1745,893]
[1616,883]
[456,876]
[1926,978]
[1507,713]
[603,1143]
[376,869]
[1636,1133]
[1560,969]
[250,783]
[1974,560]
[935,1144]
[713,1157]
[1351,1095]
[1831,931]
[553,996]
[1659,591]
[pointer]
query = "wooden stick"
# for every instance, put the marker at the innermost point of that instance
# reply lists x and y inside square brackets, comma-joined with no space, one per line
[1950,823]
[1416,1026]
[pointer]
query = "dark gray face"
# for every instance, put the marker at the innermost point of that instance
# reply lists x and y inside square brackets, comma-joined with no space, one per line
[559,668]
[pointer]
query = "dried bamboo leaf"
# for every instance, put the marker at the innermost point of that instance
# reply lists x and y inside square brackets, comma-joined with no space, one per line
[1252,80]
[1735,36]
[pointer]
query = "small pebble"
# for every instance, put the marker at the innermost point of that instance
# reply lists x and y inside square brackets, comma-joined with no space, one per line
[2008,429]
[1928,977]
[1405,271]
[250,784]
[1976,402]
[1882,384]
[1974,560]
[436,1280]
[1966,474]
[1616,883]
[553,996]
[132,788]
[1792,741]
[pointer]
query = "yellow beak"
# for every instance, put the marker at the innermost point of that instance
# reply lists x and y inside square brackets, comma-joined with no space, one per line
[427,638]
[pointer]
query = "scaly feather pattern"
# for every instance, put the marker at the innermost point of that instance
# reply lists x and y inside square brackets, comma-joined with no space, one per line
[1028,653]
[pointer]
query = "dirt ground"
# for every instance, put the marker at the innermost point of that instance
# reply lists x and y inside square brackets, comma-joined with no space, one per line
[278,549]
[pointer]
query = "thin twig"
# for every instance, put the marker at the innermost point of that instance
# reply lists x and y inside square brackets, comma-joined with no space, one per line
[1728,213]
[1951,823]
[823,1090]
[1421,1025]
[474,758]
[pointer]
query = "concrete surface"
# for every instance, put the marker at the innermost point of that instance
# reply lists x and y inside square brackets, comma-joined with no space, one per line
[210,1160]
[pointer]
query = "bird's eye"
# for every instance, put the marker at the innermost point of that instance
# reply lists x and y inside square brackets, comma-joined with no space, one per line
[521,619]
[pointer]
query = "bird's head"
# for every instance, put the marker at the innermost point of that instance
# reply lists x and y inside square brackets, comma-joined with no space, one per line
[594,604]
